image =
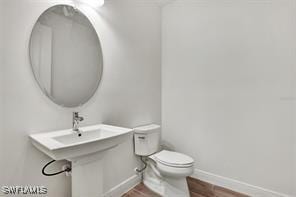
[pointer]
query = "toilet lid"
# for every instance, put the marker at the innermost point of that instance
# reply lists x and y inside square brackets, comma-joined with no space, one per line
[173,158]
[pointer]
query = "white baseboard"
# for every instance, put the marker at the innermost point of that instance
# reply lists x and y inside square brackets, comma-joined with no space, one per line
[214,179]
[235,185]
[123,187]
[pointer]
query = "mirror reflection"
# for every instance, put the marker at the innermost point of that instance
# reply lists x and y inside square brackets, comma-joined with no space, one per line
[66,56]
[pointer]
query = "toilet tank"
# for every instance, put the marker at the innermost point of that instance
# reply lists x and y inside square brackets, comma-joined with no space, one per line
[147,139]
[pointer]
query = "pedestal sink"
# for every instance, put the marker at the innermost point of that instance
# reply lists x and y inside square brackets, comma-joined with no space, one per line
[85,153]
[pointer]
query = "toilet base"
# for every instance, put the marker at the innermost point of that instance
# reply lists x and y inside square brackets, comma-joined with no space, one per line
[165,186]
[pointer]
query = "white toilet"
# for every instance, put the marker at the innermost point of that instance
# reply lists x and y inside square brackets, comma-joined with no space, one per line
[166,171]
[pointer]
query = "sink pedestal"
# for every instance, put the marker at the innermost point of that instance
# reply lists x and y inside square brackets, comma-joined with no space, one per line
[87,175]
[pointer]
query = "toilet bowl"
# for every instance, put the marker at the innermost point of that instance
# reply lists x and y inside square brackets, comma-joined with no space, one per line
[166,171]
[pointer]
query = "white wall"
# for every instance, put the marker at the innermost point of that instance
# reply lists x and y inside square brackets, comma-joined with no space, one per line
[227,96]
[129,94]
[1,87]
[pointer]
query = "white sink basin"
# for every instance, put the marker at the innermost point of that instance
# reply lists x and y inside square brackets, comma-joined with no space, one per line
[66,144]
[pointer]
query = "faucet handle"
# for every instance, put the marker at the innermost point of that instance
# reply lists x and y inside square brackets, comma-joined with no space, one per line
[77,117]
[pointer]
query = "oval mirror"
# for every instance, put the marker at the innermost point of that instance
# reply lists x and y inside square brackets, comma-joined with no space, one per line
[66,56]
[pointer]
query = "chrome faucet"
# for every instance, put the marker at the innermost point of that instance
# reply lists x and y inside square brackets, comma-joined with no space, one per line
[76,120]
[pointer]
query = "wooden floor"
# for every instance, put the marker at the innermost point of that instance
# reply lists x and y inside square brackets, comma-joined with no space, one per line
[140,191]
[197,188]
[200,188]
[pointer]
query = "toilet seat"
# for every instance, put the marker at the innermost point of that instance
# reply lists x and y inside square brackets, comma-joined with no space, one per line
[173,164]
[173,159]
